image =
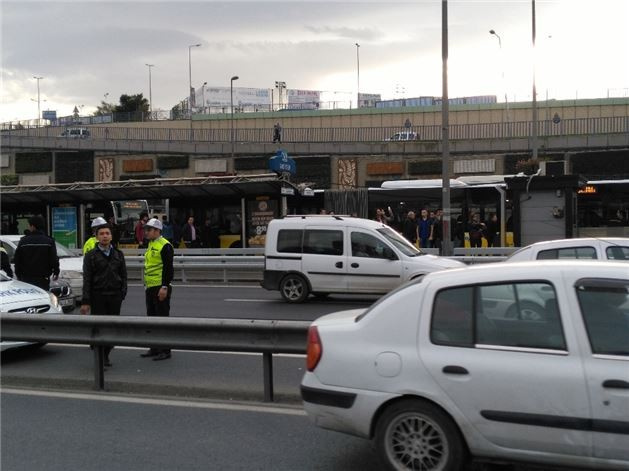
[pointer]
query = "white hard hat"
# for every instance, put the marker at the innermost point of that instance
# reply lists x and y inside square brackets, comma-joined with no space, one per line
[156,223]
[98,222]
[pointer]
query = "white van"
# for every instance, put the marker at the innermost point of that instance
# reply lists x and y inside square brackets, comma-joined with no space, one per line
[320,255]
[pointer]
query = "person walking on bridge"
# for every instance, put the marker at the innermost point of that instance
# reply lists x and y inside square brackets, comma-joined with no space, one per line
[104,279]
[158,274]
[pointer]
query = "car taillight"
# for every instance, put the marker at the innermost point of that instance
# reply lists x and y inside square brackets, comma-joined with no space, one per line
[314,350]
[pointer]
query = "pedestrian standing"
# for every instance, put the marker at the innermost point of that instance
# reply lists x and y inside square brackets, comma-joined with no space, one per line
[104,279]
[424,229]
[191,235]
[277,133]
[168,231]
[437,230]
[409,228]
[90,244]
[36,257]
[139,230]
[158,275]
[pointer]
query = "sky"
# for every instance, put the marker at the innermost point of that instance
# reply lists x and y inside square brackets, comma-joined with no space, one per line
[88,51]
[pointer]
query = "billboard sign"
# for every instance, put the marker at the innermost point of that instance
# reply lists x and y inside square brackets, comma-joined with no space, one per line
[64,228]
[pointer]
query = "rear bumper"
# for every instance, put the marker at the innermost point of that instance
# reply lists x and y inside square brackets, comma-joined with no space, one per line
[271,279]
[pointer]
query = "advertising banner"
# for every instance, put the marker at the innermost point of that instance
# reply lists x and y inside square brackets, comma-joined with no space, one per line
[64,228]
[261,212]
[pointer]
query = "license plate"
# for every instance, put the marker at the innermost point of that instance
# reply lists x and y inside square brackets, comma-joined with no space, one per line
[66,302]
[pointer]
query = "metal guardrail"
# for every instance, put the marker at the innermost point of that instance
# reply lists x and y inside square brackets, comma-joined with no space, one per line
[267,337]
[505,130]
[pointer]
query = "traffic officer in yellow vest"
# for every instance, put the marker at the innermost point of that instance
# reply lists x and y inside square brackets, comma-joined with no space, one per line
[158,274]
[92,242]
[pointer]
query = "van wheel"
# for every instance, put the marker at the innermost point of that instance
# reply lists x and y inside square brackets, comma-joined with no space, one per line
[414,435]
[294,288]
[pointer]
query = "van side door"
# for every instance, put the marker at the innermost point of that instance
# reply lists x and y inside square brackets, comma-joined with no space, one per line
[373,265]
[324,258]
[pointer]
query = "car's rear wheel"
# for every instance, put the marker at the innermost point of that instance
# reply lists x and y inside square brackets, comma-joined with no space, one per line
[294,288]
[414,435]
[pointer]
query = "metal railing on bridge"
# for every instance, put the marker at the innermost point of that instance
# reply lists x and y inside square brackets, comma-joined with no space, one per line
[506,130]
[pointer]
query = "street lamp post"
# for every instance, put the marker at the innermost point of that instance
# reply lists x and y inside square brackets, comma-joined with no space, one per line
[357,75]
[38,100]
[231,103]
[203,96]
[190,77]
[504,85]
[150,88]
[446,245]
[534,134]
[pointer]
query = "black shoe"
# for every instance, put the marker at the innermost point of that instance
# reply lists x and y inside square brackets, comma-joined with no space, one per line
[162,356]
[107,362]
[150,353]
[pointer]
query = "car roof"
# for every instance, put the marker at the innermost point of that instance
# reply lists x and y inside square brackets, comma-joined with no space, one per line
[532,270]
[578,241]
[324,220]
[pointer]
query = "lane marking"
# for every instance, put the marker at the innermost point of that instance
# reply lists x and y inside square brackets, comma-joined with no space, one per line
[205,286]
[107,397]
[246,300]
[253,354]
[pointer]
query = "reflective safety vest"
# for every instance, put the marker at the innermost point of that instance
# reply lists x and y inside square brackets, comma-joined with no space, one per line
[90,244]
[153,265]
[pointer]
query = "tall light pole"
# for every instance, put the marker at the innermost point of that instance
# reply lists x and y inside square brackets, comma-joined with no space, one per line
[190,77]
[231,103]
[203,96]
[150,88]
[38,99]
[446,245]
[534,136]
[357,75]
[504,85]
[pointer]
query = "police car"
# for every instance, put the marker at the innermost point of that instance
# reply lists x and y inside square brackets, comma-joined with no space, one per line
[19,297]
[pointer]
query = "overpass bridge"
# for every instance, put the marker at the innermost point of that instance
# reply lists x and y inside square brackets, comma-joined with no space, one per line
[567,135]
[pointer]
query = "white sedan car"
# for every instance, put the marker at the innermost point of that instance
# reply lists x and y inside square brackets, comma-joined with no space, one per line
[19,297]
[71,266]
[589,248]
[434,373]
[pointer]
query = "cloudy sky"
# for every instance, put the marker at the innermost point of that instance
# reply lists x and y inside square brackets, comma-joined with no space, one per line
[85,49]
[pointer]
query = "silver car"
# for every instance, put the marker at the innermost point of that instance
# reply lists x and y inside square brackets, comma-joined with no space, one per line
[455,366]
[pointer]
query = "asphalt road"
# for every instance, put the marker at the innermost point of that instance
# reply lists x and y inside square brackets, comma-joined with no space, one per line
[242,301]
[91,432]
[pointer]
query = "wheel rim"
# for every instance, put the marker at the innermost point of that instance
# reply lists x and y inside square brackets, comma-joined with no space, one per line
[415,442]
[293,289]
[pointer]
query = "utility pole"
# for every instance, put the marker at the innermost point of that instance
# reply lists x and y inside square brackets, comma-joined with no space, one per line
[534,134]
[446,244]
[150,88]
[357,75]
[38,100]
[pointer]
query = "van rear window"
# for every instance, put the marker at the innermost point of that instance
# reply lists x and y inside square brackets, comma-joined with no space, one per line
[289,241]
[323,242]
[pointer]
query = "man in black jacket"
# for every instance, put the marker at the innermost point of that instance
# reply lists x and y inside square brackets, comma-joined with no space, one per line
[36,256]
[104,280]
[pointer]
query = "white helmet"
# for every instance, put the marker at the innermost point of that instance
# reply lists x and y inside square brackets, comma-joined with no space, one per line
[98,222]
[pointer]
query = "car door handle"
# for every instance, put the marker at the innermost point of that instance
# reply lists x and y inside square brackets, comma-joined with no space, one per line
[355,265]
[338,264]
[615,384]
[455,370]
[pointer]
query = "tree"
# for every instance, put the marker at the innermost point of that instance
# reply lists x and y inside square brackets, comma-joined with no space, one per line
[127,104]
[105,109]
[132,104]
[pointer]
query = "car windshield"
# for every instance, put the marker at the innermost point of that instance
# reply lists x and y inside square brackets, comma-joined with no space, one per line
[400,242]
[63,252]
